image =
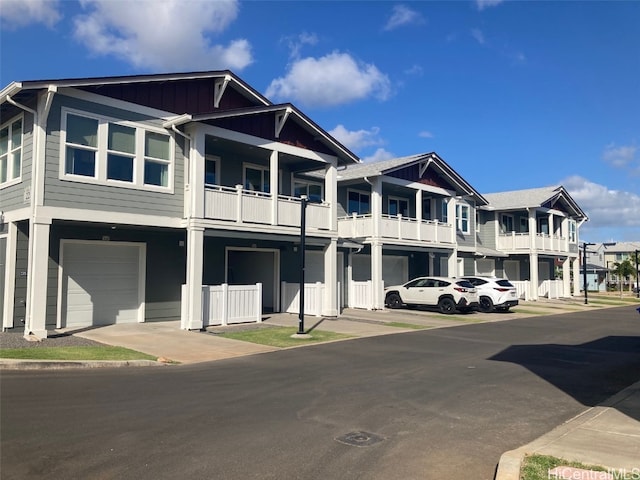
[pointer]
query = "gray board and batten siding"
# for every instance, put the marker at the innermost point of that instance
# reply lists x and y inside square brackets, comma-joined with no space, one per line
[71,194]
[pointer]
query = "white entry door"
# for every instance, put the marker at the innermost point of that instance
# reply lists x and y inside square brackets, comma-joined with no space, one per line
[102,283]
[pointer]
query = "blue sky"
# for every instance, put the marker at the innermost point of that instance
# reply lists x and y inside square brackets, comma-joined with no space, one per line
[511,94]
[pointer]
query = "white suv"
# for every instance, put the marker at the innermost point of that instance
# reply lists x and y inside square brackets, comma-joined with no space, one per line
[495,293]
[448,294]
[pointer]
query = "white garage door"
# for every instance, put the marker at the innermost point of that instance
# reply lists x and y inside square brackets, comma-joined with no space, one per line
[102,283]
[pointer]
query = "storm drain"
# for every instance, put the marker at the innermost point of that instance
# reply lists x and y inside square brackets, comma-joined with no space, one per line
[360,439]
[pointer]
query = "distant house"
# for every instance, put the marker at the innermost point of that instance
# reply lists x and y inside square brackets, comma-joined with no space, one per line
[537,230]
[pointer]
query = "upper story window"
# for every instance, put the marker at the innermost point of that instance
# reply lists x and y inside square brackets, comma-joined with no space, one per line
[359,202]
[462,218]
[10,151]
[211,170]
[444,213]
[426,208]
[98,150]
[506,223]
[256,178]
[543,225]
[313,191]
[573,231]
[398,206]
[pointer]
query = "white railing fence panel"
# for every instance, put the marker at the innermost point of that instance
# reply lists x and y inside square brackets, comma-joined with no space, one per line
[522,287]
[313,298]
[225,304]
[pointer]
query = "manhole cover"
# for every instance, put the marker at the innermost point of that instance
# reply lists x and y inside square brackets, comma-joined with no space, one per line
[360,439]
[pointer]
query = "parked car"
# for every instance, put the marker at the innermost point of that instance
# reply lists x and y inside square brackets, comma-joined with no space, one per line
[494,293]
[447,294]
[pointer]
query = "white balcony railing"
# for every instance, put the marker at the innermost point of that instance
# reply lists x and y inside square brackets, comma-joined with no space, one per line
[245,206]
[395,227]
[514,242]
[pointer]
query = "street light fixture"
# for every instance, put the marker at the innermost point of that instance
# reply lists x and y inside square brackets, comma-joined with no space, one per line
[584,269]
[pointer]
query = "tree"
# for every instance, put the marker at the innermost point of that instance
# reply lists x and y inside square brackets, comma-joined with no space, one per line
[624,270]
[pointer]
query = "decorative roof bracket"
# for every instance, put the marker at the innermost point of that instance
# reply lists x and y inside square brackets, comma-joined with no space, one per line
[424,166]
[219,87]
[281,119]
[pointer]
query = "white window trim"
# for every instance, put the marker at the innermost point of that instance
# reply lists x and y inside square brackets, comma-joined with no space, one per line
[398,199]
[477,220]
[18,178]
[502,224]
[302,181]
[359,192]
[102,150]
[216,159]
[459,208]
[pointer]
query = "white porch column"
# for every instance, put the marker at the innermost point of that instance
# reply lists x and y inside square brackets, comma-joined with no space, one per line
[576,276]
[419,214]
[376,205]
[533,229]
[38,269]
[9,275]
[330,304]
[331,193]
[566,277]
[196,173]
[376,275]
[274,187]
[552,232]
[452,264]
[195,252]
[564,233]
[431,264]
[533,276]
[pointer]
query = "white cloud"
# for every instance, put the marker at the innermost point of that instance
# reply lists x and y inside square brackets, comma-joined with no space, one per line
[296,43]
[415,70]
[482,4]
[478,35]
[356,139]
[403,15]
[379,155]
[331,80]
[162,34]
[20,13]
[620,157]
[603,206]
[425,134]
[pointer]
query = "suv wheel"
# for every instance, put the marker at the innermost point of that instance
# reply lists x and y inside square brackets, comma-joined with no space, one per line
[394,300]
[446,305]
[486,305]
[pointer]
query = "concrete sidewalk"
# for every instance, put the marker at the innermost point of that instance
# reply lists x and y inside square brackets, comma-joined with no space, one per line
[607,435]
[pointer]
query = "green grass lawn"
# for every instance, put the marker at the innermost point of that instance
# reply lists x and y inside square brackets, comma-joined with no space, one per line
[536,467]
[281,336]
[74,353]
[406,325]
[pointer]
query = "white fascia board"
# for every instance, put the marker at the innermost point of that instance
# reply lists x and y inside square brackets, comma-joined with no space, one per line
[418,186]
[177,120]
[9,90]
[90,216]
[17,215]
[115,103]
[259,142]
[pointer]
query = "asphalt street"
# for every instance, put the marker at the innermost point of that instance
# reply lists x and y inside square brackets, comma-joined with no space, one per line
[431,404]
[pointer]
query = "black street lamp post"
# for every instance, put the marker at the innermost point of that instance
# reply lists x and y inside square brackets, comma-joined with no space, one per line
[637,276]
[303,221]
[584,269]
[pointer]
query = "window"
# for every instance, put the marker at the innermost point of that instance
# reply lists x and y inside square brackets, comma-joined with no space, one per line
[426,208]
[359,202]
[313,191]
[11,151]
[543,226]
[524,225]
[398,206]
[444,211]
[506,223]
[462,218]
[121,152]
[573,231]
[256,178]
[82,146]
[211,175]
[100,150]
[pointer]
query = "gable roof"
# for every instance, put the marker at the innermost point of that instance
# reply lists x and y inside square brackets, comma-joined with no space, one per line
[385,167]
[544,197]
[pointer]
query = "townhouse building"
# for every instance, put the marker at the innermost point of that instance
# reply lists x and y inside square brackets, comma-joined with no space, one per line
[133,198]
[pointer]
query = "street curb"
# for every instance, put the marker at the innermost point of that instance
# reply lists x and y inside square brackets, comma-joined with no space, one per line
[10,364]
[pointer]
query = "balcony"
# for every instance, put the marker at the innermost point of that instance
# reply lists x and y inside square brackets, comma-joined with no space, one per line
[240,206]
[514,242]
[396,227]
